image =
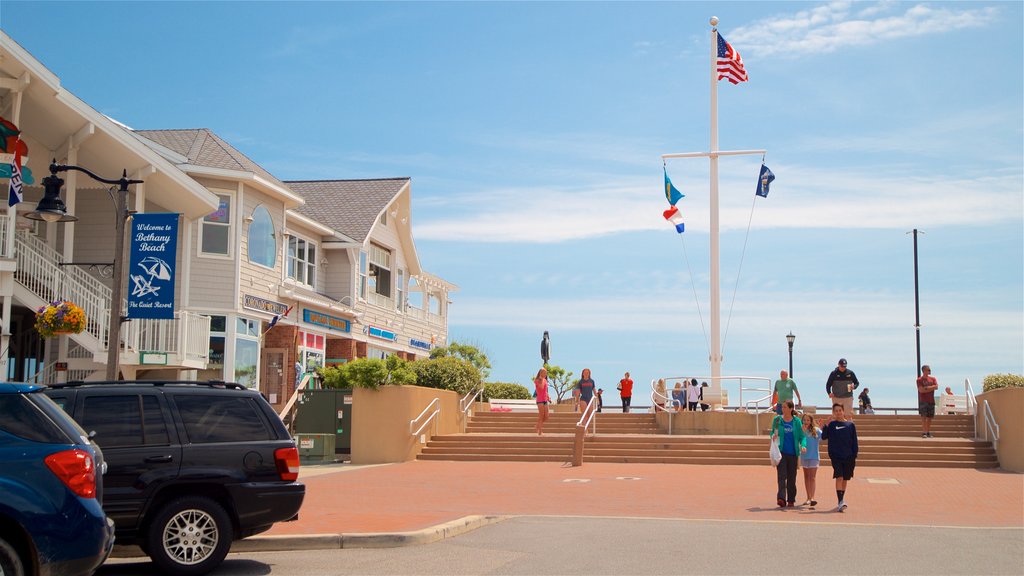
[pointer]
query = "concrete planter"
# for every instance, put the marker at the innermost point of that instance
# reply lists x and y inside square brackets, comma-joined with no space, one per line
[380,422]
[1007,405]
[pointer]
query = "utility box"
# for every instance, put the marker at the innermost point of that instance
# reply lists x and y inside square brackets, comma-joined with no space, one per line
[315,448]
[326,411]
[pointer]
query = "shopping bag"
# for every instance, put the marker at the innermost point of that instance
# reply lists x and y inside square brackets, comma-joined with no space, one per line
[773,451]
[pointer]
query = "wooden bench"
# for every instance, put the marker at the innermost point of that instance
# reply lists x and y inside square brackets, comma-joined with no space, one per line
[954,404]
[504,405]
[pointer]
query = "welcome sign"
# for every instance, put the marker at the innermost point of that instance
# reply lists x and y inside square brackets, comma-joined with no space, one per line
[154,251]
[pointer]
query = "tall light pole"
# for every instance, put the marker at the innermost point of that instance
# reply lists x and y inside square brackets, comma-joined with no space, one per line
[917,305]
[52,209]
[790,338]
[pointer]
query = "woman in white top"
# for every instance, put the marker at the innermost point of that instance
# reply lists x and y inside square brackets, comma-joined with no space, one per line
[693,395]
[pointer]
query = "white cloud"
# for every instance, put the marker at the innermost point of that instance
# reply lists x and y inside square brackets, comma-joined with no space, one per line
[836,25]
[801,197]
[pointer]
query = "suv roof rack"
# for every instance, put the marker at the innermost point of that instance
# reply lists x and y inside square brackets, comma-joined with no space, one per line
[210,383]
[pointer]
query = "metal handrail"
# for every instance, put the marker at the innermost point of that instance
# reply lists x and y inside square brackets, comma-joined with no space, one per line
[757,411]
[467,401]
[972,403]
[588,415]
[661,405]
[434,414]
[991,426]
[686,379]
[466,404]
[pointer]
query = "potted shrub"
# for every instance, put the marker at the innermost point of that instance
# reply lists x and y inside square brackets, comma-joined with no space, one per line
[59,317]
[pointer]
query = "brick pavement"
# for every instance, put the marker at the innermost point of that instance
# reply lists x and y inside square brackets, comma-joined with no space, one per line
[420,494]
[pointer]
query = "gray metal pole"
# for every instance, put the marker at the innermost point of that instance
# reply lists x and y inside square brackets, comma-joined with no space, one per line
[917,308]
[117,289]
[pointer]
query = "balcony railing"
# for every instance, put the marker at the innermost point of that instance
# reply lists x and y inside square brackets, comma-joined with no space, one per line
[188,335]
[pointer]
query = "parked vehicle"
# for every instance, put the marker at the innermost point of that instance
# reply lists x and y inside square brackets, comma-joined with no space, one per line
[192,465]
[51,519]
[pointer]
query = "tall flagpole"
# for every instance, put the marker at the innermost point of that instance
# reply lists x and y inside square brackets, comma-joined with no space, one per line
[716,304]
[715,348]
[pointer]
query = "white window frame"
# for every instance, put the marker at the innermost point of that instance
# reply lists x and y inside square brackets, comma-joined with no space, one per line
[380,257]
[232,210]
[289,258]
[363,273]
[400,289]
[273,234]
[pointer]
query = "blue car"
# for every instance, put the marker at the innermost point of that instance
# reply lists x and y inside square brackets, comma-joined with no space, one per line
[51,516]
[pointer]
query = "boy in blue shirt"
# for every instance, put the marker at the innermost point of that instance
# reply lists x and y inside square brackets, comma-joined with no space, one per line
[842,451]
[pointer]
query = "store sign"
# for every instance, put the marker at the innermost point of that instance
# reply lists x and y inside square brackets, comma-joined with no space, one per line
[153,358]
[381,333]
[419,344]
[154,251]
[326,320]
[263,305]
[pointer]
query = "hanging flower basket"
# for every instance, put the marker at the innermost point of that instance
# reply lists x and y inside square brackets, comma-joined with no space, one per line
[60,317]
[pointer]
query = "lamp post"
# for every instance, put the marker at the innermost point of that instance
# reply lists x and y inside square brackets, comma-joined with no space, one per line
[790,338]
[52,209]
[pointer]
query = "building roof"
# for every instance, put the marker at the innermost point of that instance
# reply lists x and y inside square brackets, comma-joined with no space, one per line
[349,206]
[201,147]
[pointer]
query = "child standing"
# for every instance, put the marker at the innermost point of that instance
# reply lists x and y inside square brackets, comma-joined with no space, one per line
[540,384]
[842,450]
[810,460]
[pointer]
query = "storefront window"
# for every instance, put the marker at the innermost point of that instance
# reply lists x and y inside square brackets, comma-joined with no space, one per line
[311,350]
[215,357]
[247,351]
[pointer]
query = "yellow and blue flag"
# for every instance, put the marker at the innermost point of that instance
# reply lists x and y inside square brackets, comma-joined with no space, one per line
[671,194]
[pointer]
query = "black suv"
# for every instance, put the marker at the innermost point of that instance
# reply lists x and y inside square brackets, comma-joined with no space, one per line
[192,466]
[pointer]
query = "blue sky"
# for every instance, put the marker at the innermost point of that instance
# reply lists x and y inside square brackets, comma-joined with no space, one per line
[533,133]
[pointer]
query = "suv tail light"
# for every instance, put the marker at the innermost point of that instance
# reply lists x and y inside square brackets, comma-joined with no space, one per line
[287,460]
[76,470]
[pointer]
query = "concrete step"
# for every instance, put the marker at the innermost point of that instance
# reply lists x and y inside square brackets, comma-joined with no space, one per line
[880,451]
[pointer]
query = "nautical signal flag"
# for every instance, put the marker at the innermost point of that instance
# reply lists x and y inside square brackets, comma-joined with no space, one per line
[674,217]
[730,65]
[671,194]
[763,180]
[277,318]
[14,192]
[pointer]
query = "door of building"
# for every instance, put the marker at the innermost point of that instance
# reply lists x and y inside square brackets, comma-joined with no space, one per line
[272,375]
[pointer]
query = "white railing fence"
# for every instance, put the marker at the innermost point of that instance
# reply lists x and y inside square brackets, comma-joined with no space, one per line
[38,270]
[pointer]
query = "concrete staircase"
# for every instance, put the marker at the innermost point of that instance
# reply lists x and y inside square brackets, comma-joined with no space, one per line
[884,441]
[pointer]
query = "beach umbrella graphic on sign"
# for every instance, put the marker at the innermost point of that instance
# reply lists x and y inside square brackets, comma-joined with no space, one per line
[156,269]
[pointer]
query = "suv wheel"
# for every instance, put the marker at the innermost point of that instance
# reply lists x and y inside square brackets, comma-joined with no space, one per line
[189,536]
[10,562]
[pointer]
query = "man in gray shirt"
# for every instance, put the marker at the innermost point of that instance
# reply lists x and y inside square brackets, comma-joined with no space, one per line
[840,386]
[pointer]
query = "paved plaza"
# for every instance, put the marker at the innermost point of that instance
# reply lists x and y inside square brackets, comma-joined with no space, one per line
[418,495]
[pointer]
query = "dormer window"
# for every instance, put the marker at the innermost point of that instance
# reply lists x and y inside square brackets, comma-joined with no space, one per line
[302,261]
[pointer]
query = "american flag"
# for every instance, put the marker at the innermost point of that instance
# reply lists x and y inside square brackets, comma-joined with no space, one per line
[730,64]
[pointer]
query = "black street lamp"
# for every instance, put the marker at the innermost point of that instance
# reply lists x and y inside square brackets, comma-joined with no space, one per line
[790,338]
[52,209]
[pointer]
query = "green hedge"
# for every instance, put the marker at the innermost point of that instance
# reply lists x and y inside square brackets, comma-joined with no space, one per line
[505,391]
[995,381]
[447,373]
[369,373]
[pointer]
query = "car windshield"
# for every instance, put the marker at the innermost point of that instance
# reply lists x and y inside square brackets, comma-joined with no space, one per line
[58,417]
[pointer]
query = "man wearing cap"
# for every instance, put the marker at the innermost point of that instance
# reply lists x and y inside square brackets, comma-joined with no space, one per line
[840,386]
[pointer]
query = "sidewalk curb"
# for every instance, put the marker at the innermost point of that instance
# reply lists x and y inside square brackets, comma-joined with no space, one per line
[285,543]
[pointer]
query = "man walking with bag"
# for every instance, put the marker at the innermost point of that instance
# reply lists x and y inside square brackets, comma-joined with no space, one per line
[840,386]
